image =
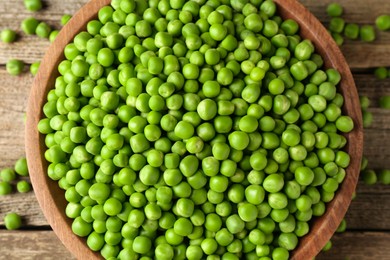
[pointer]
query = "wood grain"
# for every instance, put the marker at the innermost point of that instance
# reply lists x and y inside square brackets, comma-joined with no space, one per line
[26,205]
[358,246]
[13,99]
[14,93]
[373,211]
[16,245]
[368,85]
[323,228]
[49,195]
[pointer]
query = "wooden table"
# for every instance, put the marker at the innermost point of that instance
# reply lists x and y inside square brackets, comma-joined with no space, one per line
[368,234]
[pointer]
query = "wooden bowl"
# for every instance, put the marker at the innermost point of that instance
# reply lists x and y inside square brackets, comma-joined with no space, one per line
[51,197]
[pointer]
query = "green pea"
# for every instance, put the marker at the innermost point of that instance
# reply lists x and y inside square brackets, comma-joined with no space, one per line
[367,33]
[8,36]
[344,124]
[207,109]
[384,102]
[23,186]
[383,22]
[43,30]
[351,31]
[21,167]
[304,175]
[29,25]
[12,221]
[15,67]
[5,188]
[33,5]
[334,9]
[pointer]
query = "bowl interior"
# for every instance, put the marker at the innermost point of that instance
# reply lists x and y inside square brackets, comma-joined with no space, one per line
[51,197]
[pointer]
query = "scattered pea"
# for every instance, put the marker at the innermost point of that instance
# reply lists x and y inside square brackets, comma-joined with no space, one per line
[65,19]
[34,68]
[336,25]
[369,177]
[29,25]
[23,186]
[7,175]
[53,35]
[383,22]
[5,188]
[367,33]
[21,167]
[12,221]
[33,5]
[384,102]
[327,246]
[334,9]
[381,73]
[351,31]
[8,36]
[15,67]
[384,177]
[43,30]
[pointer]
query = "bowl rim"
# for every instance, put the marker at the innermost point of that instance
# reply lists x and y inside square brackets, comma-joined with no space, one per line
[327,224]
[47,190]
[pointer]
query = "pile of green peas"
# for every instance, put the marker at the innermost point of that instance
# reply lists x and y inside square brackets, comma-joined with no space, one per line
[194,129]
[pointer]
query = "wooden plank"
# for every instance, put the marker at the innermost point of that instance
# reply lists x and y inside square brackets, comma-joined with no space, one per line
[26,205]
[376,143]
[358,245]
[28,49]
[363,188]
[368,85]
[365,55]
[369,211]
[13,98]
[32,244]
[377,136]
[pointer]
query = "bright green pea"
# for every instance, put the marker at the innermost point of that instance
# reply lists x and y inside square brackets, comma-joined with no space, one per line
[383,22]
[14,67]
[29,25]
[207,109]
[8,36]
[334,9]
[12,221]
[23,186]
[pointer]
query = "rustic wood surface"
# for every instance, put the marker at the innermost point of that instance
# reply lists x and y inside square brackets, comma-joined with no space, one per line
[368,234]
